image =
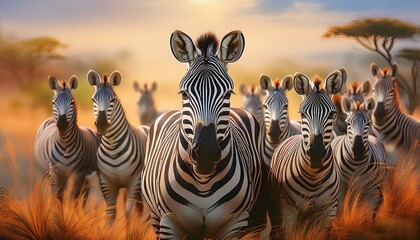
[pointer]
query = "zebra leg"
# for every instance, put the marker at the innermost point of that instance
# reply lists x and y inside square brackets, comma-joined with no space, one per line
[289,221]
[81,189]
[110,193]
[134,197]
[171,228]
[58,185]
[274,212]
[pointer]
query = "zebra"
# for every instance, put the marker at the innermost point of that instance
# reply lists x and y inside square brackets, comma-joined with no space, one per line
[146,108]
[202,172]
[303,179]
[395,129]
[276,127]
[122,148]
[70,150]
[359,157]
[252,101]
[356,92]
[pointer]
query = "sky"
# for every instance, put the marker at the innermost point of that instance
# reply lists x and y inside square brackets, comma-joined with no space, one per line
[277,32]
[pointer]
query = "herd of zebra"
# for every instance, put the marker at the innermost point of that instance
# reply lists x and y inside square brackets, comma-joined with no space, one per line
[213,171]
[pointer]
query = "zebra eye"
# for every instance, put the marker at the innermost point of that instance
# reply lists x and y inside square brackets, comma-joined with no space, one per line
[228,94]
[113,99]
[184,95]
[302,115]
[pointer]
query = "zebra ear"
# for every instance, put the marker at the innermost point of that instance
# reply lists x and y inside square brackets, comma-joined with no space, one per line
[265,82]
[136,86]
[394,71]
[367,88]
[348,105]
[232,46]
[93,78]
[182,47]
[115,78]
[369,104]
[154,87]
[244,90]
[54,83]
[287,83]
[374,70]
[73,82]
[335,81]
[302,84]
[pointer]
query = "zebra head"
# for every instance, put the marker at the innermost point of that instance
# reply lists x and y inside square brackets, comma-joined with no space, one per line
[317,111]
[252,101]
[358,92]
[63,102]
[146,99]
[104,98]
[358,123]
[206,89]
[384,90]
[275,106]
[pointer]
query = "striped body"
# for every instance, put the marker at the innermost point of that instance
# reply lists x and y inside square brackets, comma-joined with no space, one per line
[70,150]
[360,159]
[202,172]
[122,149]
[303,179]
[394,128]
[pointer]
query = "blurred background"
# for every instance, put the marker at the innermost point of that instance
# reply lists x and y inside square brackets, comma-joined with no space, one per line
[65,38]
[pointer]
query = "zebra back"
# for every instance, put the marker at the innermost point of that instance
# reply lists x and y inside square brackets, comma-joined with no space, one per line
[396,129]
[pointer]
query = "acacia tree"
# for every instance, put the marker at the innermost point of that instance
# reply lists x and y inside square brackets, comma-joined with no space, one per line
[379,35]
[23,58]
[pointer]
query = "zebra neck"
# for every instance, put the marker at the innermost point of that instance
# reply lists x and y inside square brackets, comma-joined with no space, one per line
[118,126]
[68,138]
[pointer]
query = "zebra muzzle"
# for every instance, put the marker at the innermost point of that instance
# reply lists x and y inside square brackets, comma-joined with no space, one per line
[379,112]
[317,151]
[358,148]
[101,123]
[274,131]
[62,123]
[205,151]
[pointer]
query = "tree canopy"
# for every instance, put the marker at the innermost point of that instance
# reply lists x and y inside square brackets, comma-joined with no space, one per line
[368,27]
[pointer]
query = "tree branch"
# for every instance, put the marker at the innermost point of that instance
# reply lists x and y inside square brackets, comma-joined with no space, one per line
[364,42]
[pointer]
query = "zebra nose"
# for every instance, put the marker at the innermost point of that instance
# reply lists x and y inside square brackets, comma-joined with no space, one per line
[358,147]
[101,123]
[205,151]
[379,112]
[274,131]
[62,122]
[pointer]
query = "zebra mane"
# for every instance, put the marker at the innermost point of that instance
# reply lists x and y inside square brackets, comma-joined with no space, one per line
[207,43]
[105,77]
[385,71]
[317,81]
[396,95]
[277,82]
[63,84]
[252,89]
[354,87]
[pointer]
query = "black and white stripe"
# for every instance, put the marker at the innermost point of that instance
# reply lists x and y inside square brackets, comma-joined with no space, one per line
[276,127]
[302,179]
[122,149]
[394,128]
[360,157]
[146,108]
[69,150]
[202,172]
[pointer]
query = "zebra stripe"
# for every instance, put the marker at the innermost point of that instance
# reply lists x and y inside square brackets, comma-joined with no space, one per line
[122,148]
[202,172]
[394,128]
[302,176]
[359,157]
[146,108]
[276,127]
[70,150]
